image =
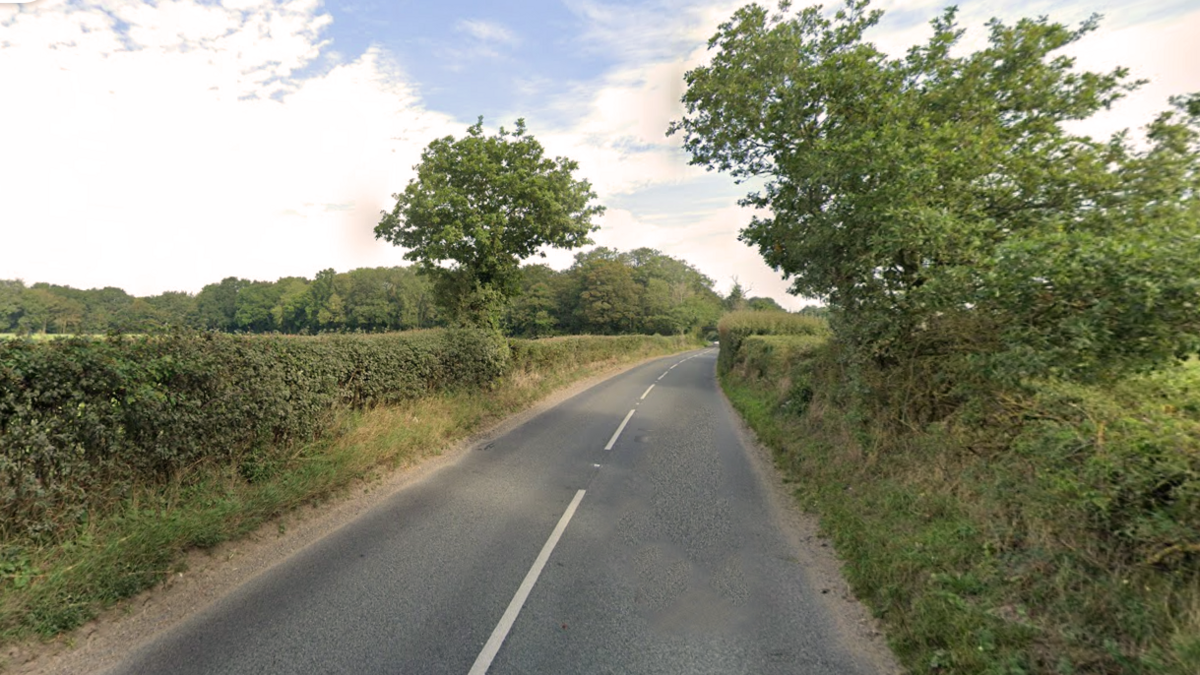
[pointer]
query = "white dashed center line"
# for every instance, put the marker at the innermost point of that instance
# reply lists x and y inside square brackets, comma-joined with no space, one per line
[617,433]
[492,646]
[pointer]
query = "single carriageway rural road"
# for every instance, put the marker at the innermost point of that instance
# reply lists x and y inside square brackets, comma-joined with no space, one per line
[632,528]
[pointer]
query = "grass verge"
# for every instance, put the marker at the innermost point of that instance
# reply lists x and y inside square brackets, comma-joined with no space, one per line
[132,545]
[1043,556]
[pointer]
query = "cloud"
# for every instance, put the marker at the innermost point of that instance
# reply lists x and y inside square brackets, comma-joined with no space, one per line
[647,31]
[164,147]
[487,31]
[1164,52]
[485,40]
[615,125]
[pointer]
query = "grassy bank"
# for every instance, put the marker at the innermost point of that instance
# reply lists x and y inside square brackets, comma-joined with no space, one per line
[1052,530]
[129,543]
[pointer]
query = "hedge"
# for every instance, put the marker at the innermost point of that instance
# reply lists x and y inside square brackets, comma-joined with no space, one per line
[549,354]
[737,326]
[82,420]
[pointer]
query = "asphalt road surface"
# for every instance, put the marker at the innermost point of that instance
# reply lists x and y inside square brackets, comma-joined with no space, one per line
[622,531]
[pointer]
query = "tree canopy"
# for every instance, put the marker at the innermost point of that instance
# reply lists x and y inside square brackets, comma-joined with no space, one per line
[478,206]
[605,291]
[940,202]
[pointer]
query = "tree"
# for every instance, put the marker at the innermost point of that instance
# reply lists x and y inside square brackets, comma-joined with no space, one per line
[216,304]
[736,300]
[11,291]
[35,311]
[142,317]
[324,306]
[701,312]
[332,314]
[48,309]
[601,253]
[255,307]
[656,316]
[478,207]
[370,298]
[609,302]
[415,295]
[761,304]
[290,313]
[818,311]
[938,203]
[175,308]
[676,297]
[532,313]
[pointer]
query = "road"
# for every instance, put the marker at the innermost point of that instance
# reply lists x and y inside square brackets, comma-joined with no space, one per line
[622,531]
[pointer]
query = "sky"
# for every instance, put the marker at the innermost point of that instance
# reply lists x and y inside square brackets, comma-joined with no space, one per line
[161,146]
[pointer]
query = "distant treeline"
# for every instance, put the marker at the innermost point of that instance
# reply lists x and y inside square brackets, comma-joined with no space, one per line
[604,292]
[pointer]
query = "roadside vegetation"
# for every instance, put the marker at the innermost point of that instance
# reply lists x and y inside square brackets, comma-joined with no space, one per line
[1001,431]
[117,456]
[1050,529]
